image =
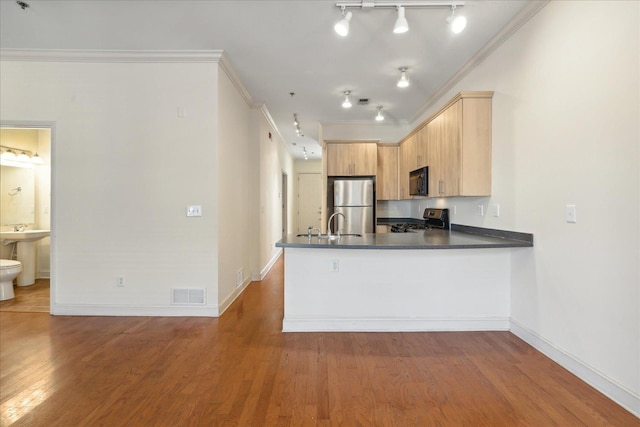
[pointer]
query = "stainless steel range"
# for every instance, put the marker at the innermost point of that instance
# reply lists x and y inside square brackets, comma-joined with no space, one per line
[433,218]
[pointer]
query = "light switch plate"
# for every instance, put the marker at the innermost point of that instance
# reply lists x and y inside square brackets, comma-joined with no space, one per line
[571,214]
[194,210]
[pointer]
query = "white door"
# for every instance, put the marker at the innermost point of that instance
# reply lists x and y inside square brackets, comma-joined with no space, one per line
[309,201]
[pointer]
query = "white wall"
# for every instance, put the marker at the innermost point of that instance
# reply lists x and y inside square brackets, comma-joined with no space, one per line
[125,168]
[274,160]
[237,194]
[386,132]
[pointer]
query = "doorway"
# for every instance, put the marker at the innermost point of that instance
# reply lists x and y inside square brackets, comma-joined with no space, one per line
[29,208]
[309,201]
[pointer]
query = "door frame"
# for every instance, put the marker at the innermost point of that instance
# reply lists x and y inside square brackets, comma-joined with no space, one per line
[53,268]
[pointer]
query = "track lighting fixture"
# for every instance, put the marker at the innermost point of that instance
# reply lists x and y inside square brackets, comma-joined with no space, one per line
[379,116]
[403,81]
[342,26]
[457,23]
[347,99]
[401,26]
[297,124]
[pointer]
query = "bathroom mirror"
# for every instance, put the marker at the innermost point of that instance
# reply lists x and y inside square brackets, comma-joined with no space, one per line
[17,195]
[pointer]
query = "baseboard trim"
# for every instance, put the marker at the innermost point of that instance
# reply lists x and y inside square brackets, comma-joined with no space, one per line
[235,294]
[117,310]
[267,268]
[605,385]
[395,325]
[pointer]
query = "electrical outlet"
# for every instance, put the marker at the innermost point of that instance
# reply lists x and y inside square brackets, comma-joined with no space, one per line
[481,210]
[454,210]
[335,265]
[495,210]
[120,282]
[194,210]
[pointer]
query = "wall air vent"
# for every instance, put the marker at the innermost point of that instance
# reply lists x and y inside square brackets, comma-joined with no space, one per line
[188,297]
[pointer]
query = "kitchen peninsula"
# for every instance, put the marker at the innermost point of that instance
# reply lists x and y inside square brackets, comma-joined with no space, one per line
[456,279]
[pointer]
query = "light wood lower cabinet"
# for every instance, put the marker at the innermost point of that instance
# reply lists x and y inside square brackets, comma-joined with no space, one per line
[387,172]
[352,159]
[383,229]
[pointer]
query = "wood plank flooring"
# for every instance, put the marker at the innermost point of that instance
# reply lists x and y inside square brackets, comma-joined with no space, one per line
[240,370]
[29,299]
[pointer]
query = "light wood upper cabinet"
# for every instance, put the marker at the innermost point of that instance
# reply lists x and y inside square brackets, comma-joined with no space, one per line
[352,159]
[459,140]
[407,163]
[387,176]
[457,147]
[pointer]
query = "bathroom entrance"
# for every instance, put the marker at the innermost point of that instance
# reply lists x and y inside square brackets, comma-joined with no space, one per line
[25,205]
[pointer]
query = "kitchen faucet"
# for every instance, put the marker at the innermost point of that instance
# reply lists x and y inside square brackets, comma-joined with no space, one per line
[310,230]
[329,223]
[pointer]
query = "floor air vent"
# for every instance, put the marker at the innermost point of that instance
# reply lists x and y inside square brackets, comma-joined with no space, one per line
[187,296]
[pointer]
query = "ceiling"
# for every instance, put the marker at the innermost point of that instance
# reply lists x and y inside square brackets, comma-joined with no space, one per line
[281,47]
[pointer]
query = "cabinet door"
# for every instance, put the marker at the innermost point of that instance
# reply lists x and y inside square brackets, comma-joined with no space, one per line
[451,150]
[422,150]
[434,148]
[387,173]
[364,158]
[407,164]
[339,161]
[475,173]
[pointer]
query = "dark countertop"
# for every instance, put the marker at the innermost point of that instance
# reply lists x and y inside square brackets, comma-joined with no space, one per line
[459,237]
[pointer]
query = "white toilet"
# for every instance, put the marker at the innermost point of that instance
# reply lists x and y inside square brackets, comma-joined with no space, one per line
[9,270]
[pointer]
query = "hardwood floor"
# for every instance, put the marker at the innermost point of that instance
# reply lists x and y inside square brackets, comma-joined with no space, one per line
[29,299]
[240,370]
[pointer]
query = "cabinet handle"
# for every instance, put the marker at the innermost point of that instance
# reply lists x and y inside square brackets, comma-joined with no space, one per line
[440,186]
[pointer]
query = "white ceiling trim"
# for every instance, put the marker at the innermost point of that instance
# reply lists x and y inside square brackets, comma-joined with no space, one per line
[226,66]
[503,35]
[211,56]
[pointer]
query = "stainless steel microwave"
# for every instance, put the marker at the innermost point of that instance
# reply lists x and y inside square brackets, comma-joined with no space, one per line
[419,182]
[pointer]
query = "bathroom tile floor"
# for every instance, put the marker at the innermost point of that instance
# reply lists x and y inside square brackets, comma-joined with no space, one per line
[29,299]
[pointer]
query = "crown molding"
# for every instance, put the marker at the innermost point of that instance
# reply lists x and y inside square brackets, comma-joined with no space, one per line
[227,67]
[135,56]
[528,12]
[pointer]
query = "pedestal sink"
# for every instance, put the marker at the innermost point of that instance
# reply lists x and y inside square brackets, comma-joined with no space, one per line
[26,246]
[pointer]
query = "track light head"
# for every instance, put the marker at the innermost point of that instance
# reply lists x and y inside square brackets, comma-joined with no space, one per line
[457,23]
[401,26]
[347,100]
[403,81]
[342,26]
[379,117]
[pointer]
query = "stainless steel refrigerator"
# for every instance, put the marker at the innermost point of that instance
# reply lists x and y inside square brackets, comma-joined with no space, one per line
[354,198]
